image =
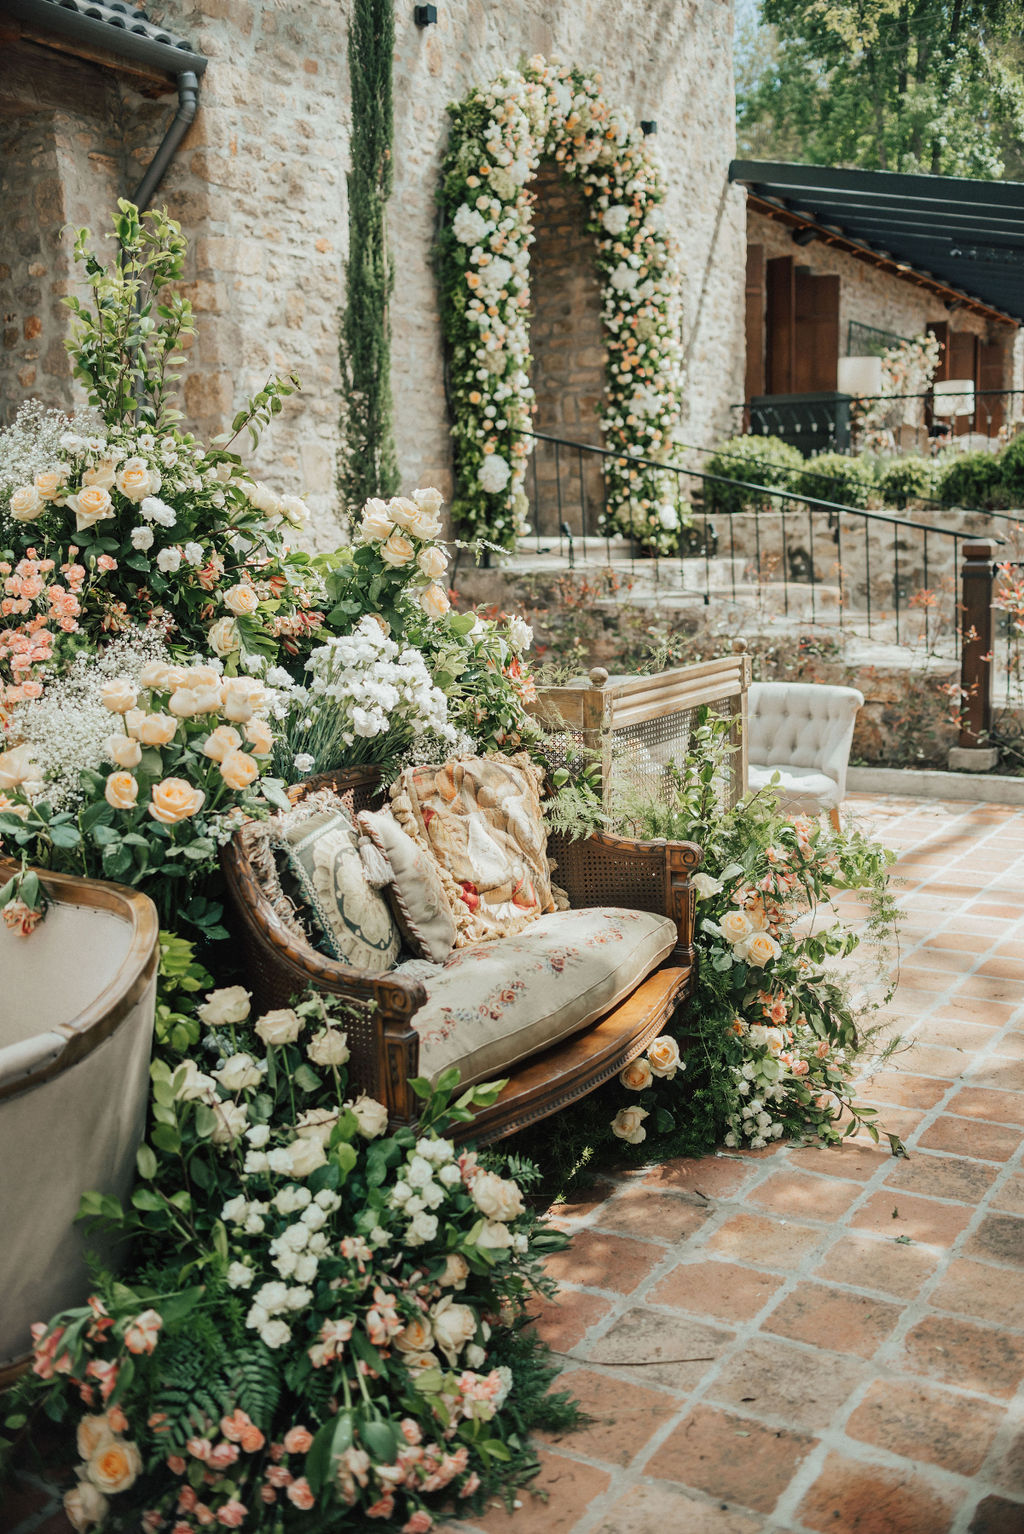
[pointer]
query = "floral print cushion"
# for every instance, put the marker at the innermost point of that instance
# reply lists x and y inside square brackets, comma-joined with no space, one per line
[492,1004]
[481,819]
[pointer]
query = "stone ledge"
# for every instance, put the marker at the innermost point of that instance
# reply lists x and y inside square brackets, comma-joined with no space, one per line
[933,784]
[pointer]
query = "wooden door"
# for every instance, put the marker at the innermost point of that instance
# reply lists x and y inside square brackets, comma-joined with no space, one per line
[755,321]
[963,363]
[816,338]
[991,413]
[779,327]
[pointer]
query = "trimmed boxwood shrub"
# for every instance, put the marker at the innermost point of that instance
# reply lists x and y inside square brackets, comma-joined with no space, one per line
[909,479]
[1011,472]
[760,460]
[837,477]
[972,480]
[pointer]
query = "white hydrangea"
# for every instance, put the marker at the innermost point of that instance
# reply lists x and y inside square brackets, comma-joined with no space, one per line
[469,226]
[494,473]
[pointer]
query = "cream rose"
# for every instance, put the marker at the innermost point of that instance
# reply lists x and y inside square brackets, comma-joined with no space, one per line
[92,504]
[26,504]
[415,1337]
[92,1433]
[376,524]
[664,1057]
[402,512]
[85,1505]
[453,1326]
[760,948]
[188,701]
[223,636]
[196,1085]
[307,1156]
[123,750]
[294,510]
[49,483]
[735,926]
[316,1124]
[201,676]
[17,767]
[238,769]
[456,1271]
[628,1125]
[135,479]
[397,551]
[115,1466]
[119,695]
[122,791]
[101,475]
[328,1047]
[637,1075]
[496,1197]
[221,742]
[424,525]
[241,600]
[372,1115]
[232,1119]
[133,721]
[238,1073]
[260,737]
[429,500]
[174,800]
[434,601]
[495,1237]
[433,562]
[280,1027]
[228,1005]
[156,729]
[263,498]
[705,886]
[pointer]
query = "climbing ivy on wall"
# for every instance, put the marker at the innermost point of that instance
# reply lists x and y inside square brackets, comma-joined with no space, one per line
[367,463]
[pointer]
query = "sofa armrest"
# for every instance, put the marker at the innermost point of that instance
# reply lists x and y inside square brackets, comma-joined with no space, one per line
[605,869]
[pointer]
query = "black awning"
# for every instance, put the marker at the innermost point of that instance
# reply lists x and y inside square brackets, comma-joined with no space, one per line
[965,234]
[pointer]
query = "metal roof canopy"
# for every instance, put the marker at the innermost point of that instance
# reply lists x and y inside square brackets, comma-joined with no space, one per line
[958,234]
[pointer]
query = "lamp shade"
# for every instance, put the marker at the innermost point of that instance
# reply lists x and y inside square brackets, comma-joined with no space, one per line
[953,396]
[860,376]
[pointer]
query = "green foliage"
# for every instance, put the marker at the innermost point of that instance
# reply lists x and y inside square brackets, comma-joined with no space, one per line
[759,461]
[906,85]
[1011,471]
[908,479]
[180,977]
[971,480]
[837,477]
[367,463]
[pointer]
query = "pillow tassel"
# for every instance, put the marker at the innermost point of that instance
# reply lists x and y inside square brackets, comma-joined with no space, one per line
[376,867]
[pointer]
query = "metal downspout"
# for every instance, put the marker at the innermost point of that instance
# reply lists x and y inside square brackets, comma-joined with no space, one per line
[188,105]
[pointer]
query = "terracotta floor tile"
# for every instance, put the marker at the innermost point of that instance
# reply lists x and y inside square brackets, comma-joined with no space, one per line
[767,1243]
[979,1289]
[804,1195]
[970,1137]
[721,1290]
[583,1203]
[923,1422]
[937,1060]
[847,1160]
[970,1037]
[660,1506]
[666,1350]
[965,942]
[716,1177]
[943,1176]
[1000,912]
[967,1009]
[1009,1473]
[652,1214]
[896,1121]
[988,988]
[893,1213]
[600,1261]
[997,1515]
[570,1487]
[565,1321]
[942,960]
[1010,1197]
[999,1075]
[960,1353]
[851,1496]
[774,1378]
[625,1416]
[915,977]
[998,1238]
[873,1262]
[981,1103]
[1003,966]
[730,1457]
[833,1319]
[1010,1046]
[903,1090]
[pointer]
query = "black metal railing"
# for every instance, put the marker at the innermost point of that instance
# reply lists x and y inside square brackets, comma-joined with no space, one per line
[881,568]
[923,422]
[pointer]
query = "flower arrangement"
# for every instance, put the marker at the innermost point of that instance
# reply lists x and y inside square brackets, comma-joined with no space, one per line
[908,368]
[308,1334]
[777,1033]
[499,134]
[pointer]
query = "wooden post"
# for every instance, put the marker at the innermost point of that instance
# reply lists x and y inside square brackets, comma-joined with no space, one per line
[976,645]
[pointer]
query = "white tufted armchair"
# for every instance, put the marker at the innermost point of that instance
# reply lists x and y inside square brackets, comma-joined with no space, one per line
[803,732]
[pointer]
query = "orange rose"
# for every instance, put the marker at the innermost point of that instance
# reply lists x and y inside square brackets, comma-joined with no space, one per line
[121,791]
[174,800]
[238,769]
[115,1466]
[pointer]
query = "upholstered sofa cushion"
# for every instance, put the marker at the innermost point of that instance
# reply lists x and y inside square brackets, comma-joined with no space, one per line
[417,897]
[492,1004]
[801,790]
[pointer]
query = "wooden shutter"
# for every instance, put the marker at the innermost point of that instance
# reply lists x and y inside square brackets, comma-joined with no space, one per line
[991,375]
[755,320]
[816,340]
[780,333]
[963,363]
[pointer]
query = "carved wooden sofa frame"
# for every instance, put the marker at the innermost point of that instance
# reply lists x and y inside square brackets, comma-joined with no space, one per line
[600,870]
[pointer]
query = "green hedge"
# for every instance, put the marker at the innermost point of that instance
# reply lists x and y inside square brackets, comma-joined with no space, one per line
[837,477]
[762,460]
[909,479]
[973,480]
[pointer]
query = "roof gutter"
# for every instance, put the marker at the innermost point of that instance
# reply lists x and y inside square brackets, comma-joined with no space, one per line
[188,105]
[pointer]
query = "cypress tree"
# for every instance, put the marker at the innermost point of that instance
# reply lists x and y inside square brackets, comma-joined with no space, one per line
[367,461]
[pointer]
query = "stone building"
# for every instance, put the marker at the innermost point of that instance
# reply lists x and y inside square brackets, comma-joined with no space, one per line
[258,183]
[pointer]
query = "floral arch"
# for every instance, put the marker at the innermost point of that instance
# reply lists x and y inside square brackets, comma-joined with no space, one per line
[500,133]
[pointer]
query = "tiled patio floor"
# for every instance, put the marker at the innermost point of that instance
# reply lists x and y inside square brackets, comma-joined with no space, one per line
[806,1340]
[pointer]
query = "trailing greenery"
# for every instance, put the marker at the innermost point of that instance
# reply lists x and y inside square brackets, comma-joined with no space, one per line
[367,463]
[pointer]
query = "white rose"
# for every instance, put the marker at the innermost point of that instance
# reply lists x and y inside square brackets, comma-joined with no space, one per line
[223,636]
[705,886]
[372,1116]
[628,1124]
[294,510]
[291,1199]
[194,553]
[306,1157]
[316,1124]
[119,695]
[496,1197]
[258,1135]
[239,1276]
[240,1072]
[280,1027]
[235,1209]
[520,634]
[422,1227]
[453,1326]
[263,498]
[195,1085]
[85,1505]
[429,500]
[495,1236]
[168,560]
[376,524]
[228,1005]
[328,1047]
[616,219]
[433,562]
[276,1334]
[278,1160]
[142,538]
[231,1121]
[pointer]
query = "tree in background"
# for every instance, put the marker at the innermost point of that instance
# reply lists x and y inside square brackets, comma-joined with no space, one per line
[935,86]
[367,464]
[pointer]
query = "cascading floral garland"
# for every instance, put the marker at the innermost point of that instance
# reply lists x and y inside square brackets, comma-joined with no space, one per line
[500,133]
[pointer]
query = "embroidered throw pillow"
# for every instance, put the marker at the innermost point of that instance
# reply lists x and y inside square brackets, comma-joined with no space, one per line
[481,819]
[320,844]
[417,896]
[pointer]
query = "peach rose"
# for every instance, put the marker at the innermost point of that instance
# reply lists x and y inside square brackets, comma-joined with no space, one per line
[238,769]
[92,504]
[119,695]
[759,949]
[402,511]
[92,1433]
[735,925]
[434,601]
[298,1440]
[156,729]
[663,1055]
[637,1075]
[17,767]
[260,737]
[174,800]
[433,562]
[26,504]
[628,1125]
[102,475]
[123,750]
[121,791]
[115,1466]
[221,742]
[240,600]
[187,701]
[85,1505]
[136,480]
[49,482]
[415,1337]
[232,1514]
[397,551]
[300,1494]
[142,1334]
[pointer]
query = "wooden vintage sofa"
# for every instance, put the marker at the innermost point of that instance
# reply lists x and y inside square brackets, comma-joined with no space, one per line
[602,870]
